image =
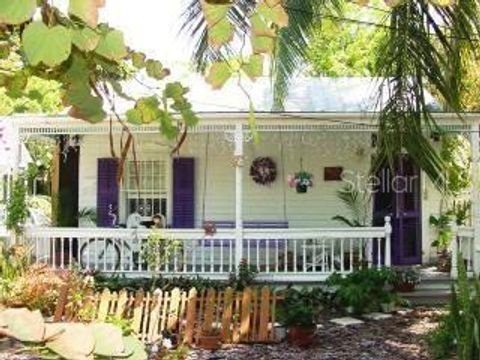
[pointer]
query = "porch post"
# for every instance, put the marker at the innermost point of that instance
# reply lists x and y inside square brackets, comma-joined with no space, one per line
[238,163]
[454,250]
[475,144]
[388,241]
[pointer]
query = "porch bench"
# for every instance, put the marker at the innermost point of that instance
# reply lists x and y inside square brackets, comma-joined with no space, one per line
[255,224]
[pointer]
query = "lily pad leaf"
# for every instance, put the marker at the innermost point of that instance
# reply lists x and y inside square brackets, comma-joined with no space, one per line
[16,12]
[254,67]
[112,46]
[86,10]
[50,46]
[23,324]
[85,39]
[134,347]
[219,74]
[75,342]
[108,340]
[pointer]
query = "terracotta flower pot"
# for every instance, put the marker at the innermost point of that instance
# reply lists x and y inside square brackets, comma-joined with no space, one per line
[302,336]
[301,189]
[209,342]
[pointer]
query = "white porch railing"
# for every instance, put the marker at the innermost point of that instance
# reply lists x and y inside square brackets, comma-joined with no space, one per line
[463,242]
[277,254]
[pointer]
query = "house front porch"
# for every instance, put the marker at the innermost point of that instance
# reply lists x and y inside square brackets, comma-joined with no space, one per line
[284,235]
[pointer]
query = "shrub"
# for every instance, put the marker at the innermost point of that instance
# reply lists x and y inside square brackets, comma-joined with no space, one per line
[13,264]
[301,307]
[244,278]
[362,290]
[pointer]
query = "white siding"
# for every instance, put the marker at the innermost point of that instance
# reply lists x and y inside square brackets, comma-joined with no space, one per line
[276,202]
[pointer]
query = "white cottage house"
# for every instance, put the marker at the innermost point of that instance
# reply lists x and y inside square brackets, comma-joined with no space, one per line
[327,129]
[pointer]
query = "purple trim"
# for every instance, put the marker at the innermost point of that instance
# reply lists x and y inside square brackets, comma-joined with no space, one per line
[183,193]
[107,192]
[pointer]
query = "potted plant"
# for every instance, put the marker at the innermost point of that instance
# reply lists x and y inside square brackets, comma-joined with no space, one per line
[405,279]
[298,312]
[301,181]
[210,339]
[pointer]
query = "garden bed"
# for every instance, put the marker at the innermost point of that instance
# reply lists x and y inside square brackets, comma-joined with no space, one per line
[398,338]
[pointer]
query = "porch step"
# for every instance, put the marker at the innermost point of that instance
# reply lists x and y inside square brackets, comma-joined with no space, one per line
[431,291]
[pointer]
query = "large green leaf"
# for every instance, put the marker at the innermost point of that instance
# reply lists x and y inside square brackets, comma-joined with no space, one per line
[166,125]
[215,12]
[87,10]
[273,11]
[108,340]
[134,347]
[15,12]
[263,44]
[156,70]
[112,46]
[76,342]
[50,46]
[85,39]
[219,74]
[221,33]
[220,29]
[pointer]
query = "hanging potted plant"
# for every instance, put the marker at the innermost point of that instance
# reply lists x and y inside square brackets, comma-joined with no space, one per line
[301,181]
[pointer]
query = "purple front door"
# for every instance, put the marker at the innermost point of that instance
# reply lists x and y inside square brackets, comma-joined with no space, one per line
[399,197]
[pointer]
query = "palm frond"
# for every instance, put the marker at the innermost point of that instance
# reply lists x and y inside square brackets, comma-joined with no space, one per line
[420,52]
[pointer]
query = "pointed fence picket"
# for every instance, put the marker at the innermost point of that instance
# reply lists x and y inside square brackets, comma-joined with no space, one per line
[238,316]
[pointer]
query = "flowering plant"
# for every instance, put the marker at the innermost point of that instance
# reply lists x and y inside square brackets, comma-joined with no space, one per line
[301,178]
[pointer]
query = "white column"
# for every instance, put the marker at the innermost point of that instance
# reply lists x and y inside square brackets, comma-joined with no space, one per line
[454,250]
[475,144]
[388,242]
[238,162]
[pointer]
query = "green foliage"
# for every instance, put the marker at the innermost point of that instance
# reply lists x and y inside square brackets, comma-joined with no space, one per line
[301,307]
[13,264]
[456,154]
[458,326]
[442,225]
[357,202]
[88,61]
[407,275]
[362,290]
[244,277]
[17,210]
[345,48]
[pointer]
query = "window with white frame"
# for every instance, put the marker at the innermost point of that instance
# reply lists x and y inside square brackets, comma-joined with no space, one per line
[150,196]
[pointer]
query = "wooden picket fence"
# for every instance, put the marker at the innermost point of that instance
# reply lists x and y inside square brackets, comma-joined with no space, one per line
[239,316]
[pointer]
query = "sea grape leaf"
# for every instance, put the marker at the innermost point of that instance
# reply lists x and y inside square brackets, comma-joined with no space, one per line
[138,59]
[252,123]
[166,125]
[175,90]
[260,26]
[112,45]
[220,29]
[76,342]
[254,66]
[16,12]
[145,111]
[215,12]
[117,87]
[108,340]
[189,117]
[221,33]
[219,74]
[85,106]
[85,39]
[86,10]
[50,46]
[17,83]
[134,347]
[273,11]
[24,325]
[263,44]
[156,70]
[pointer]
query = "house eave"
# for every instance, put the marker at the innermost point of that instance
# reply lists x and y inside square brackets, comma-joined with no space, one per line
[225,121]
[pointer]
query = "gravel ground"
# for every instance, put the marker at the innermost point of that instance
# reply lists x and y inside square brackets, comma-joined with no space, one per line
[397,338]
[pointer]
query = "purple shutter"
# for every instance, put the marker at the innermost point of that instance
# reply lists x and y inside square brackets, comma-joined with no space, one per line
[107,191]
[184,193]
